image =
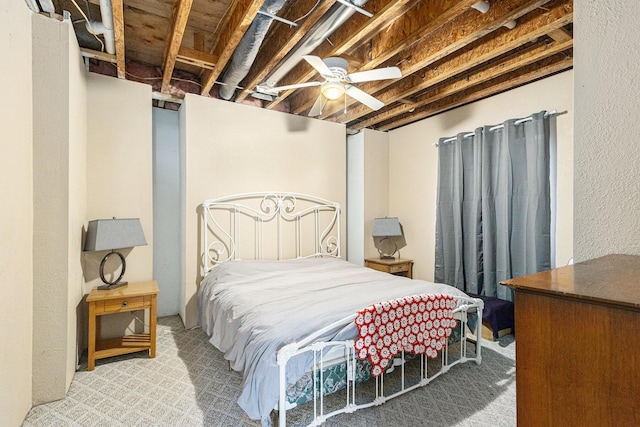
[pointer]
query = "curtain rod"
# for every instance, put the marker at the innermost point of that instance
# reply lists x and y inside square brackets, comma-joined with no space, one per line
[517,122]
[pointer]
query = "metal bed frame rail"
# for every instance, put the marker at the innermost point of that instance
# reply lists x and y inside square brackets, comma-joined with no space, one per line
[465,306]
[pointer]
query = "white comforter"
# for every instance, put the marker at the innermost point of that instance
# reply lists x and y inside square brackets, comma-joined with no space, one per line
[252,308]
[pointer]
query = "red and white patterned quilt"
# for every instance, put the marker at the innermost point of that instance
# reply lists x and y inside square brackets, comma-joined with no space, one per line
[419,324]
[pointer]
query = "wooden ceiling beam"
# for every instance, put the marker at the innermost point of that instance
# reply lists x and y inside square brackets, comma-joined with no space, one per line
[157,7]
[118,33]
[434,19]
[503,83]
[531,27]
[96,54]
[235,25]
[356,31]
[467,80]
[180,16]
[281,41]
[560,35]
[451,37]
[427,17]
[195,57]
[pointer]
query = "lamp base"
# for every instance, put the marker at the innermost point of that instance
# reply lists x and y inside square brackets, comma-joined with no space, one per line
[387,257]
[116,283]
[109,287]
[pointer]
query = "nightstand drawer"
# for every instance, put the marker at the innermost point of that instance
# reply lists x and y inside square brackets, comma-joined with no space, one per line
[120,304]
[395,266]
[398,268]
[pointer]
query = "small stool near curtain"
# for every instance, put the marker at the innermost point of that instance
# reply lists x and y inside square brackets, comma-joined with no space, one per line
[493,216]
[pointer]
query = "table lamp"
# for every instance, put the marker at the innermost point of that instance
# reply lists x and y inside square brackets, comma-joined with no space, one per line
[388,236]
[112,234]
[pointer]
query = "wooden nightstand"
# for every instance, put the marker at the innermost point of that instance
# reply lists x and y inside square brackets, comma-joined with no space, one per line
[397,266]
[134,296]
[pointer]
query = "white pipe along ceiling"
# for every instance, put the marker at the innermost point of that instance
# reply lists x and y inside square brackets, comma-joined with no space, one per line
[105,27]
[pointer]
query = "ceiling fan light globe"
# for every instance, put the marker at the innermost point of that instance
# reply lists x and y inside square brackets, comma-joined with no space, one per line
[332,90]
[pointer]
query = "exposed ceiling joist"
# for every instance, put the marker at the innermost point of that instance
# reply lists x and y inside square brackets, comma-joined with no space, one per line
[180,15]
[351,36]
[96,54]
[535,25]
[197,58]
[118,31]
[505,82]
[450,38]
[560,35]
[449,53]
[237,22]
[282,40]
[465,81]
[354,32]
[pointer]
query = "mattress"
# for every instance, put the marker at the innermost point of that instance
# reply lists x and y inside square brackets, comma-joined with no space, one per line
[250,309]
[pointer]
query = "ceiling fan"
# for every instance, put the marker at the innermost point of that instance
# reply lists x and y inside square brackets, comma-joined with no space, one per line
[337,82]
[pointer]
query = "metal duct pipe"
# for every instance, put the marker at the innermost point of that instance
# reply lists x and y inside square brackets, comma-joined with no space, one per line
[105,27]
[247,49]
[333,19]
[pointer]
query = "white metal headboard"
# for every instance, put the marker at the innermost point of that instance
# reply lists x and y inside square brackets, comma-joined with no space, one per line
[269,225]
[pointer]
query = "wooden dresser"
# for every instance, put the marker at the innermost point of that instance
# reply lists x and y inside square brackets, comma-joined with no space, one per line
[577,344]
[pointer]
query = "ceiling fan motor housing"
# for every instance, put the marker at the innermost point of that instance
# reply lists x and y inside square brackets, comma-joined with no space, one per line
[338,66]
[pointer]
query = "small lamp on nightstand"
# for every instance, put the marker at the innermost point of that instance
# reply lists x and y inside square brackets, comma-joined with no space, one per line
[388,236]
[112,234]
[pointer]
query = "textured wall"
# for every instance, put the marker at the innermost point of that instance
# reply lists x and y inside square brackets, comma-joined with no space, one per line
[119,165]
[355,198]
[607,152]
[77,217]
[376,185]
[16,216]
[119,175]
[413,163]
[59,203]
[367,189]
[230,148]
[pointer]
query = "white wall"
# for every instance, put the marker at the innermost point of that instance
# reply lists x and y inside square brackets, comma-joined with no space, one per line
[607,159]
[16,217]
[413,163]
[376,190]
[77,217]
[59,202]
[230,148]
[119,174]
[355,198]
[368,190]
[166,209]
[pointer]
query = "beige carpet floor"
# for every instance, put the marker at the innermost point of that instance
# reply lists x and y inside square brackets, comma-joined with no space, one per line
[189,384]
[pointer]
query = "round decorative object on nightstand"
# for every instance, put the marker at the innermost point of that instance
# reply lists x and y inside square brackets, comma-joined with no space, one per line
[115,283]
[387,248]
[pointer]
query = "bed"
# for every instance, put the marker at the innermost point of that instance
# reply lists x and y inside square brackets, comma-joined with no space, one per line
[283,307]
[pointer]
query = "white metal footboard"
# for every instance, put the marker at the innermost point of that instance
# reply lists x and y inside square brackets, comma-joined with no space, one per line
[465,306]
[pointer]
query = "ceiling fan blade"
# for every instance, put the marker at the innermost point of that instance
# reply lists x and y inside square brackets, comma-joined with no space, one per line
[319,65]
[267,89]
[318,106]
[377,74]
[364,97]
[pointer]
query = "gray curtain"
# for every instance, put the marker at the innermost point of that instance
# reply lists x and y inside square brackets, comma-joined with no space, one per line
[493,208]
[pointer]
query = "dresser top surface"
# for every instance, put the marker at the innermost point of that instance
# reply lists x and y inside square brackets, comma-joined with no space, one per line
[611,279]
